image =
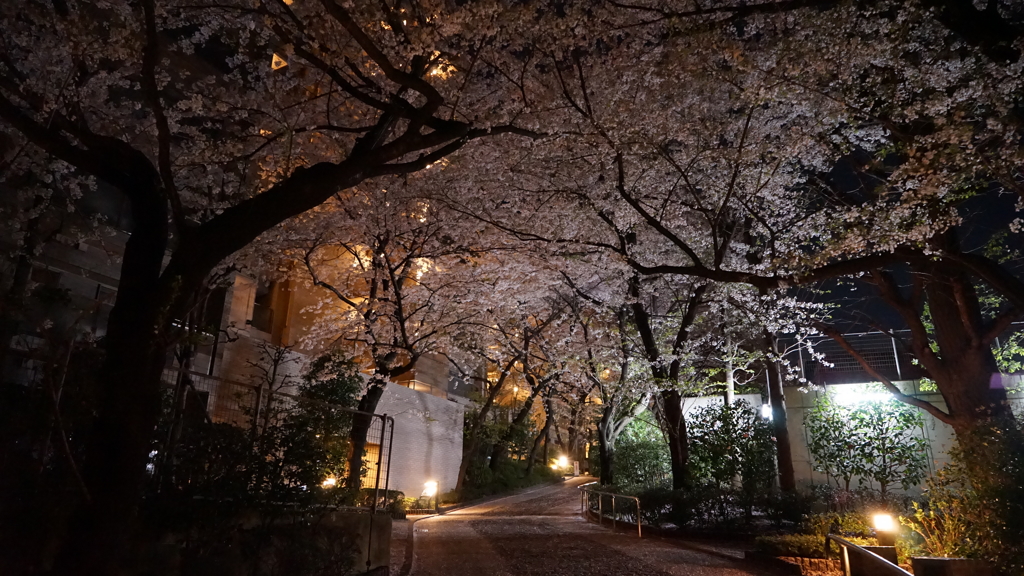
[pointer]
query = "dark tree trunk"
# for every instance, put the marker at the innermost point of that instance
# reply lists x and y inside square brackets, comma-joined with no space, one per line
[965,375]
[118,446]
[472,443]
[780,422]
[361,424]
[678,444]
[606,446]
[549,410]
[500,451]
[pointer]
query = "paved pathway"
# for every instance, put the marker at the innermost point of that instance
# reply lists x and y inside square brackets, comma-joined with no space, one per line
[541,533]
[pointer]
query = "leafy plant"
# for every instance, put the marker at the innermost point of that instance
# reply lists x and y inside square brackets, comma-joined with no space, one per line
[730,442]
[641,455]
[803,545]
[876,440]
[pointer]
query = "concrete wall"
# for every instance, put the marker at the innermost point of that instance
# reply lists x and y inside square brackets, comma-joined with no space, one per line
[939,436]
[691,404]
[428,439]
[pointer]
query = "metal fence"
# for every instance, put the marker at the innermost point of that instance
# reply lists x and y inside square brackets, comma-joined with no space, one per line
[193,396]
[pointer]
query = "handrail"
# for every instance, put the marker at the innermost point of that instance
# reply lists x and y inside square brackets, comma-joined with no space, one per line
[857,561]
[585,505]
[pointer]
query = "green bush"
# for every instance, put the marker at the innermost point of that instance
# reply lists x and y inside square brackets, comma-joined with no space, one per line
[787,506]
[641,456]
[848,524]
[510,475]
[803,545]
[956,520]
[875,441]
[729,442]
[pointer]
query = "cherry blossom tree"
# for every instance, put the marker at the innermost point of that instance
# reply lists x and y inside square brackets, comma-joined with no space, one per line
[218,123]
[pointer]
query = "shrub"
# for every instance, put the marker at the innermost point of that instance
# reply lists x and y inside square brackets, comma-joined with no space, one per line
[876,441]
[787,506]
[804,545]
[641,456]
[848,524]
[729,442]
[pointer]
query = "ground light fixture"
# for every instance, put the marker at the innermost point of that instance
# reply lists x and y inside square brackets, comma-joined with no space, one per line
[430,491]
[766,411]
[563,462]
[330,482]
[885,529]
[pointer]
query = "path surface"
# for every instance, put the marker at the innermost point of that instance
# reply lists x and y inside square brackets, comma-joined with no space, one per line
[541,532]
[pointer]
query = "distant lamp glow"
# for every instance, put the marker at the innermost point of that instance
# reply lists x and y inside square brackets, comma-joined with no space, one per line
[330,481]
[766,411]
[563,462]
[884,523]
[430,489]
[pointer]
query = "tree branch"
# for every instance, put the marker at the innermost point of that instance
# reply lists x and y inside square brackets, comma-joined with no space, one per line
[892,388]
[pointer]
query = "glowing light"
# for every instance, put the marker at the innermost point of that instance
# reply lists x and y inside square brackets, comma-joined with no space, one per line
[430,488]
[766,411]
[853,394]
[563,462]
[884,523]
[330,481]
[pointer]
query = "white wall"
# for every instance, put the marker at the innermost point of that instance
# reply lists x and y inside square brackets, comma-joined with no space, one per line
[428,439]
[939,435]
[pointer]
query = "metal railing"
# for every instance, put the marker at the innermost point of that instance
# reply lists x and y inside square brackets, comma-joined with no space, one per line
[586,506]
[858,561]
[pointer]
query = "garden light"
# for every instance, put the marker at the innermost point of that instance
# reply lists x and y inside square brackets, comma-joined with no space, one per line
[430,488]
[330,481]
[884,523]
[885,529]
[563,462]
[766,411]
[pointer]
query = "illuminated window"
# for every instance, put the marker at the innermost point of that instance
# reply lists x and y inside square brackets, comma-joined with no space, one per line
[370,458]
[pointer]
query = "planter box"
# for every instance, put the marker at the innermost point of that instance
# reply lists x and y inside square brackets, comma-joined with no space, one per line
[950,567]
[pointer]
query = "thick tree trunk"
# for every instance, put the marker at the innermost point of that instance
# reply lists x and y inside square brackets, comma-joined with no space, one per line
[780,421]
[118,447]
[500,451]
[472,444]
[730,382]
[678,442]
[549,411]
[606,446]
[361,424]
[968,377]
